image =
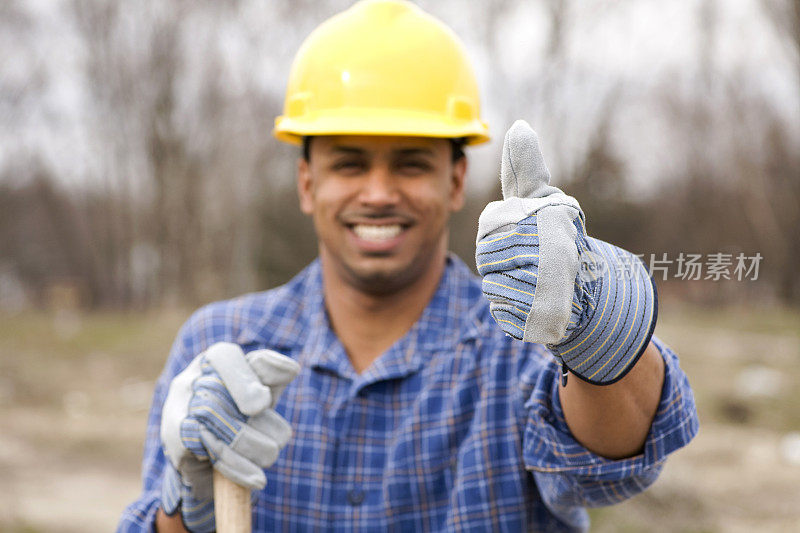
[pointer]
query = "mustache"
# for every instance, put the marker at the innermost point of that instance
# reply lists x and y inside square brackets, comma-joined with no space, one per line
[373,214]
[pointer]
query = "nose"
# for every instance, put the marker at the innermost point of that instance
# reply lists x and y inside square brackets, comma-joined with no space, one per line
[379,188]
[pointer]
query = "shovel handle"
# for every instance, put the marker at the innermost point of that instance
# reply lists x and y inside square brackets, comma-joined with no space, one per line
[231,506]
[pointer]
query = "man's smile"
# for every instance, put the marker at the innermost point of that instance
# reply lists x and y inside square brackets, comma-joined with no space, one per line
[373,236]
[371,232]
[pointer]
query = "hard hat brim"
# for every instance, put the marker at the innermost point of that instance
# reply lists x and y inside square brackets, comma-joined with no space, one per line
[354,121]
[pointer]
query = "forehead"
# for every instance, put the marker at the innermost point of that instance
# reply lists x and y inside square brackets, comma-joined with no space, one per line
[379,144]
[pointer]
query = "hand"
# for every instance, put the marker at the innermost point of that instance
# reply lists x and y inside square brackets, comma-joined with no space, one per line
[592,303]
[219,412]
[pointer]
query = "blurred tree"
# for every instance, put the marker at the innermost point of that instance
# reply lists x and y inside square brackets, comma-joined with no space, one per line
[184,197]
[783,159]
[42,240]
[182,151]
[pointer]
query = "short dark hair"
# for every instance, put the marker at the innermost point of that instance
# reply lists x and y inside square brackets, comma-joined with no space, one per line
[458,148]
[457,144]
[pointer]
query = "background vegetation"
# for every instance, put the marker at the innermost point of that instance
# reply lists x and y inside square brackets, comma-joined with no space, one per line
[137,168]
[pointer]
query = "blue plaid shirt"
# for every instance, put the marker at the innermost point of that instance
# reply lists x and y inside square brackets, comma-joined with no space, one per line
[456,427]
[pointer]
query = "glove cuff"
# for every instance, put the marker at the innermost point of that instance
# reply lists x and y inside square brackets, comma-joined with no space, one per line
[171,490]
[618,330]
[197,515]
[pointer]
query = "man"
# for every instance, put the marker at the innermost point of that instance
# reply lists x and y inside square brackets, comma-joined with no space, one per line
[386,388]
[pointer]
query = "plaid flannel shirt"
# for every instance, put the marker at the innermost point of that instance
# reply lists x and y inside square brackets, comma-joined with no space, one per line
[457,427]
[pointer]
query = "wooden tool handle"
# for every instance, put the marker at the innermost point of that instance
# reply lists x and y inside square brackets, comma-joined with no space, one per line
[231,506]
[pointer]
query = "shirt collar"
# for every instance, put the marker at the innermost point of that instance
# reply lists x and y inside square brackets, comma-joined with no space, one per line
[450,318]
[287,312]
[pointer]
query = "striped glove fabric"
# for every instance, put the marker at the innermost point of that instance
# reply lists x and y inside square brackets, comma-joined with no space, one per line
[594,305]
[219,413]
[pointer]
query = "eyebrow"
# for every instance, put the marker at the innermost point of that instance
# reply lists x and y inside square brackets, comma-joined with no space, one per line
[415,151]
[342,149]
[347,150]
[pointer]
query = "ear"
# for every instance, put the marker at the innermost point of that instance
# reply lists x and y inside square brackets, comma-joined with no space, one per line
[304,186]
[457,184]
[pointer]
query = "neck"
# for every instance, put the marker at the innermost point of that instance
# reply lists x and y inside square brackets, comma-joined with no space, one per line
[368,324]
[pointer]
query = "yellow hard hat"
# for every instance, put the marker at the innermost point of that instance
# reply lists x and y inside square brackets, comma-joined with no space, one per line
[382,67]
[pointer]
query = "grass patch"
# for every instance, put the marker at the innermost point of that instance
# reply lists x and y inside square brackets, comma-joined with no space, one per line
[77,387]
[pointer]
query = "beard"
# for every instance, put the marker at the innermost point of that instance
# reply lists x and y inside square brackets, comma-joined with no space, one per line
[382,274]
[378,277]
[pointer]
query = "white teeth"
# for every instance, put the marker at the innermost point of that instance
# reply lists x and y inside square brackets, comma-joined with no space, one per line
[377,233]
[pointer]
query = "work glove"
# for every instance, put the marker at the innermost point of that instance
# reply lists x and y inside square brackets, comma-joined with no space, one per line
[594,305]
[219,413]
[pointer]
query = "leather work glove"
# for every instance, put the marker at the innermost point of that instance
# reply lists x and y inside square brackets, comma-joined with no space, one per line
[594,305]
[219,412]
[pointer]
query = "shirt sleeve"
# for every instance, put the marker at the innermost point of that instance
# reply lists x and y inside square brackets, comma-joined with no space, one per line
[140,515]
[569,476]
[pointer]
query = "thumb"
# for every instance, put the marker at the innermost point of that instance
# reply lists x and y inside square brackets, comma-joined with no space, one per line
[523,171]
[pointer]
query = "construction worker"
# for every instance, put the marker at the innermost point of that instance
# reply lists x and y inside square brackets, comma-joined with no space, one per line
[386,387]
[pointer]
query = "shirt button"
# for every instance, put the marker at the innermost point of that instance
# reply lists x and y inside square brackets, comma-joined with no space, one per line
[355,496]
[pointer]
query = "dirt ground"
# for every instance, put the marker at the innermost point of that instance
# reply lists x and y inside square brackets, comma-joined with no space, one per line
[74,392]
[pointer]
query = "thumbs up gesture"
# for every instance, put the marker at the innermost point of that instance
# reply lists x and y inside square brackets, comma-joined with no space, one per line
[592,304]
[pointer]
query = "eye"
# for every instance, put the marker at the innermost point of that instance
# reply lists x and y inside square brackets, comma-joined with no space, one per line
[414,166]
[348,166]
